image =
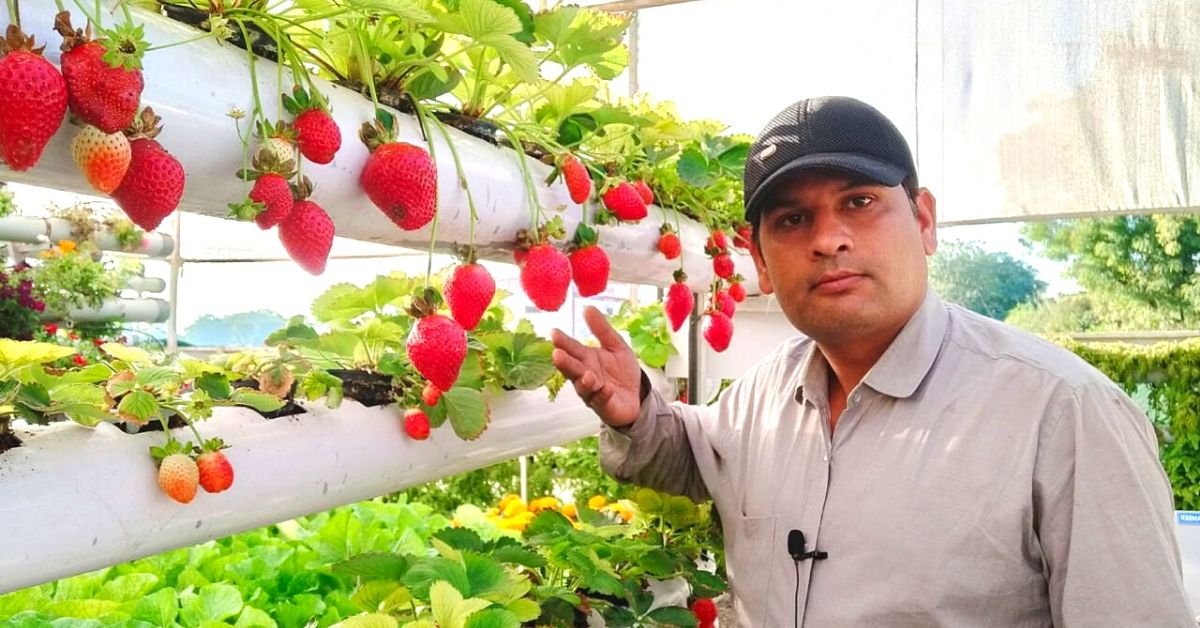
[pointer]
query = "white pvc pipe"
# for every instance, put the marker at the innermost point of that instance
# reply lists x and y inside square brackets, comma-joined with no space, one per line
[193,87]
[31,230]
[138,283]
[74,499]
[128,310]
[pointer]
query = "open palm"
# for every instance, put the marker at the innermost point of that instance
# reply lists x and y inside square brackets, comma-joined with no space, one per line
[608,377]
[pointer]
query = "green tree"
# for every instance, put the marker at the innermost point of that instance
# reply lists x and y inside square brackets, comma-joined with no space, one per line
[1150,260]
[1087,311]
[989,283]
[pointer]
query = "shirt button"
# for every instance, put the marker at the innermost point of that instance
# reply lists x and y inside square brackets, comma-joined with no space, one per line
[856,397]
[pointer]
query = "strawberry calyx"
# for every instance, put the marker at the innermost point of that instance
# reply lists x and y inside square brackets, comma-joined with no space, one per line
[280,129]
[146,125]
[680,276]
[15,40]
[425,304]
[301,100]
[210,445]
[172,447]
[585,236]
[465,254]
[380,131]
[666,228]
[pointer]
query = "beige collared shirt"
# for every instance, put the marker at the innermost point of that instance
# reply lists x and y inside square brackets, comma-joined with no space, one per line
[979,476]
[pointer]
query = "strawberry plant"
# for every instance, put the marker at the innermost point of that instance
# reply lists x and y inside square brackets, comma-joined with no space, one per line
[648,332]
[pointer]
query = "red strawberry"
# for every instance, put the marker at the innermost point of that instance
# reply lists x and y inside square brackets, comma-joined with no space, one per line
[101,93]
[307,234]
[705,611]
[216,474]
[318,136]
[416,424]
[725,303]
[668,242]
[80,360]
[678,304]
[103,158]
[737,291]
[644,191]
[546,276]
[718,330]
[743,238]
[431,394]
[179,477]
[154,182]
[723,265]
[579,182]
[274,193]
[519,256]
[401,179]
[469,292]
[717,241]
[34,97]
[625,202]
[437,347]
[589,270]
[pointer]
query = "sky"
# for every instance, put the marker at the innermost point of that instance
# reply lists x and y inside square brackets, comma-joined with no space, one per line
[737,61]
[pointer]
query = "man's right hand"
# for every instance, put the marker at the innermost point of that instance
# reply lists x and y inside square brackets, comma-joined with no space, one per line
[607,378]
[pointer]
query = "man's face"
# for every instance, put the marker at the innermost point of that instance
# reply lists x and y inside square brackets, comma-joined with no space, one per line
[844,256]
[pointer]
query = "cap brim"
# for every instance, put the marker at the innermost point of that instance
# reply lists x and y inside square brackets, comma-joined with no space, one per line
[871,168]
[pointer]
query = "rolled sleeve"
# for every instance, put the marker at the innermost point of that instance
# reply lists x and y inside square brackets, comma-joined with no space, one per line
[1104,517]
[656,451]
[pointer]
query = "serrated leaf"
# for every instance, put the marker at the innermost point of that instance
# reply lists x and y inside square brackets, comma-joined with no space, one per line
[370,620]
[215,602]
[494,25]
[139,404]
[434,82]
[18,353]
[82,609]
[525,610]
[408,10]
[128,587]
[673,616]
[601,582]
[262,402]
[484,574]
[254,618]
[215,384]
[694,168]
[494,618]
[467,411]
[450,610]
[85,414]
[128,355]
[518,555]
[373,594]
[422,574]
[157,377]
[297,333]
[733,158]
[341,302]
[159,608]
[460,539]
[374,566]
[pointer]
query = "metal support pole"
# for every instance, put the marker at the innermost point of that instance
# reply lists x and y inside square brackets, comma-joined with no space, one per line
[693,396]
[524,460]
[173,282]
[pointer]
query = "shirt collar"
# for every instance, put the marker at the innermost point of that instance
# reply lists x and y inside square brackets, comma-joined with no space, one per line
[901,368]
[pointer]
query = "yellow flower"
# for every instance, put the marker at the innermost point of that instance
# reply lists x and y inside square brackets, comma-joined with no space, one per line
[597,502]
[545,503]
[455,523]
[66,246]
[506,499]
[514,508]
[569,511]
[623,512]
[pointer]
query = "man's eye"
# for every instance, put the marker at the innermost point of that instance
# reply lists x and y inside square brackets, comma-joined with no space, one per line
[791,220]
[859,202]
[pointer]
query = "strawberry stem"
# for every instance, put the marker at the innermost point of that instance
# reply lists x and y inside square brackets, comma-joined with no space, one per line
[462,176]
[433,157]
[14,12]
[535,209]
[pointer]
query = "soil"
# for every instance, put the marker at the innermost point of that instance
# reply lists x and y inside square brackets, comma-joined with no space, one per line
[8,440]
[369,389]
[261,43]
[478,127]
[154,425]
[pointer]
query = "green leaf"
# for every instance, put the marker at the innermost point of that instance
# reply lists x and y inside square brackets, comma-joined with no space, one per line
[128,588]
[428,85]
[705,584]
[373,594]
[157,377]
[518,555]
[35,396]
[522,359]
[216,602]
[425,572]
[254,618]
[658,563]
[83,609]
[733,159]
[496,618]
[468,413]
[128,355]
[601,582]
[341,302]
[139,404]
[370,620]
[693,167]
[215,384]
[159,608]
[17,353]
[374,567]
[31,599]
[257,400]
[483,574]
[494,25]
[655,355]
[450,610]
[525,610]
[673,616]
[460,539]
[91,374]
[407,10]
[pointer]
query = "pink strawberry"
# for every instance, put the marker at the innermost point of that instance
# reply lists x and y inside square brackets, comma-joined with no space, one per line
[307,234]
[416,424]
[154,182]
[103,94]
[437,346]
[103,158]
[179,477]
[579,182]
[725,303]
[400,179]
[644,191]
[723,265]
[34,97]
[273,192]
[216,474]
[469,292]
[737,290]
[430,395]
[625,202]
[546,276]
[718,330]
[589,270]
[678,304]
[669,245]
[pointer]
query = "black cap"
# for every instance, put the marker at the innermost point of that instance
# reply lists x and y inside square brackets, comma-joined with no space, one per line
[829,132]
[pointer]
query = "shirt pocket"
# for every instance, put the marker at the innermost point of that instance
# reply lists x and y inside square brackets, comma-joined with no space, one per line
[748,563]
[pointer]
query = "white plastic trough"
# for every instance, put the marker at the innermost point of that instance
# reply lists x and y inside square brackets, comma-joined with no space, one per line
[74,499]
[194,86]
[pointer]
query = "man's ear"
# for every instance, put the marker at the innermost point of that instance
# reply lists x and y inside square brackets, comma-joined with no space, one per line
[927,219]
[764,277]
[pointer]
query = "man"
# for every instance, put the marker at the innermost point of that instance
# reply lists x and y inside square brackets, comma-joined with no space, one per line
[953,471]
